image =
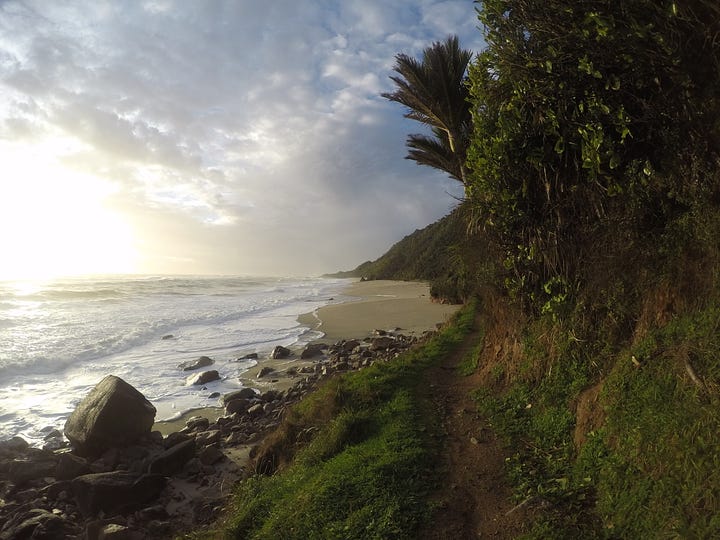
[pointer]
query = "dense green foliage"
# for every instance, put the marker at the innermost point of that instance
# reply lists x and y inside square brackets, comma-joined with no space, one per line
[595,124]
[371,465]
[595,171]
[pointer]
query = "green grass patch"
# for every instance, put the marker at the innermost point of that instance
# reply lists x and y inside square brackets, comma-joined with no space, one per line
[653,469]
[370,468]
[535,422]
[661,477]
[469,363]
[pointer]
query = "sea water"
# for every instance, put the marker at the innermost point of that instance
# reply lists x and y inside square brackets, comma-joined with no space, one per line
[59,338]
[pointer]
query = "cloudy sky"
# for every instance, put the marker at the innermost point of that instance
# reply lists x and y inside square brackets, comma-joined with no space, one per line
[237,137]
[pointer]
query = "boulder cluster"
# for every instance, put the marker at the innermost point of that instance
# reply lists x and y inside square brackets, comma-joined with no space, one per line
[118,479]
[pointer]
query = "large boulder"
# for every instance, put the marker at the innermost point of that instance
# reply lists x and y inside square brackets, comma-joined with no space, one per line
[280,352]
[203,377]
[202,361]
[243,393]
[173,459]
[115,491]
[113,414]
[312,350]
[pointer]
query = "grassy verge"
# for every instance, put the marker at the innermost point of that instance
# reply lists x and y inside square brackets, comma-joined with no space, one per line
[660,476]
[469,363]
[652,469]
[533,418]
[371,462]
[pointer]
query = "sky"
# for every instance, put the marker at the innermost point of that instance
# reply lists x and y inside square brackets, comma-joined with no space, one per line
[211,137]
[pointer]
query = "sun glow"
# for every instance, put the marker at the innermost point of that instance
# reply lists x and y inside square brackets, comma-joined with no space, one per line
[54,220]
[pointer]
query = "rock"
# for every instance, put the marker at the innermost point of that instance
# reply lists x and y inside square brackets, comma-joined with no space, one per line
[114,531]
[245,393]
[214,395]
[176,437]
[173,459]
[236,405]
[255,410]
[153,512]
[13,446]
[21,471]
[114,413]
[349,345]
[210,455]
[271,395]
[197,423]
[280,352]
[381,343]
[203,378]
[202,361]
[70,466]
[56,443]
[55,490]
[107,462]
[115,491]
[112,528]
[249,356]
[36,524]
[206,438]
[194,466]
[52,434]
[312,350]
[265,371]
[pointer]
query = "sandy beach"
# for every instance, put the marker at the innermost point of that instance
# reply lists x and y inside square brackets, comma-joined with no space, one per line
[373,305]
[383,305]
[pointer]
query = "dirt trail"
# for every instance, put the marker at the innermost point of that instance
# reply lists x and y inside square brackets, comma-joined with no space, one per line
[476,498]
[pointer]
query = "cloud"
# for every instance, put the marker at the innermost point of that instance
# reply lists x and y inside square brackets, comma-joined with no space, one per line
[233,131]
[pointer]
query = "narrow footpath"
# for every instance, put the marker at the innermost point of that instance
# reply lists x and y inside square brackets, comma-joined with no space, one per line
[475,501]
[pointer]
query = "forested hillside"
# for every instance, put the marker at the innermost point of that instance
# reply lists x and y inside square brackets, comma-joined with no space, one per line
[442,253]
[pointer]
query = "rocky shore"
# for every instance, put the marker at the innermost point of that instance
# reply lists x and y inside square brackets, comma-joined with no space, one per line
[117,478]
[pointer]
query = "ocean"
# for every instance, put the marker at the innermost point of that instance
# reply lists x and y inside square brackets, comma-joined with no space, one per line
[59,338]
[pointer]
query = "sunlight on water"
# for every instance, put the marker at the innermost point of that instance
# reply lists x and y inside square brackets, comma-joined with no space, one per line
[59,338]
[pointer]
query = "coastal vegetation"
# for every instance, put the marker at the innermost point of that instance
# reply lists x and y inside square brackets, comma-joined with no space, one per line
[589,237]
[369,461]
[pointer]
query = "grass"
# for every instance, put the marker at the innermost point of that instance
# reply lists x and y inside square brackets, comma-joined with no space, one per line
[368,471]
[662,474]
[653,469]
[469,363]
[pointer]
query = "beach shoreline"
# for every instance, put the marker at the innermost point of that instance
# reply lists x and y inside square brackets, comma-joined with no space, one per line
[402,306]
[405,307]
[187,467]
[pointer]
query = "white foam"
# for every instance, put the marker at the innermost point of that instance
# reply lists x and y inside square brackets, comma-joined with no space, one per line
[59,339]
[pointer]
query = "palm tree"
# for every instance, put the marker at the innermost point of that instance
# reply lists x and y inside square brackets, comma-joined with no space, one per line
[435,92]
